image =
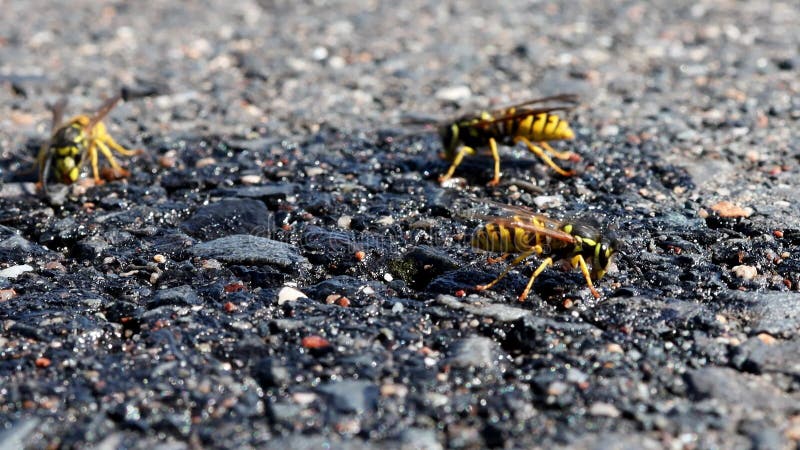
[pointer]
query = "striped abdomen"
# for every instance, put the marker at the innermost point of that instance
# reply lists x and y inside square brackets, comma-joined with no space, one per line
[66,146]
[535,127]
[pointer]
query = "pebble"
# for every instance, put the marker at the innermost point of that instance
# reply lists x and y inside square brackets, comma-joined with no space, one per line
[498,311]
[548,201]
[475,352]
[745,272]
[739,390]
[344,222]
[289,294]
[604,409]
[453,93]
[774,313]
[15,271]
[178,296]
[557,388]
[351,396]
[247,249]
[230,216]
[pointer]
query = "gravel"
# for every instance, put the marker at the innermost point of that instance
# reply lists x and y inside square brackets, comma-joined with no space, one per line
[282,270]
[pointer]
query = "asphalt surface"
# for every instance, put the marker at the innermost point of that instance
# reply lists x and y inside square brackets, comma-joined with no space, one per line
[282,269]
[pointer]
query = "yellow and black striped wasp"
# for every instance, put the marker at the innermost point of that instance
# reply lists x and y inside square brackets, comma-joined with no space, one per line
[521,231]
[534,126]
[77,141]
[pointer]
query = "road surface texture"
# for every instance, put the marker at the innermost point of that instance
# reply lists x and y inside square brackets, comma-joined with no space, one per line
[283,270]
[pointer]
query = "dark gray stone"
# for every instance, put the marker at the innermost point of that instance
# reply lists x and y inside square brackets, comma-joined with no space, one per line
[476,352]
[739,390]
[179,296]
[230,216]
[776,313]
[497,311]
[248,249]
[351,396]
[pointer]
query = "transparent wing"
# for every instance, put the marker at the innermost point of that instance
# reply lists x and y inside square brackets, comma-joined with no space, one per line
[58,113]
[530,226]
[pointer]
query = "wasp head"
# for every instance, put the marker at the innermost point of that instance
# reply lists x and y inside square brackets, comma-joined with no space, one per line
[603,253]
[594,246]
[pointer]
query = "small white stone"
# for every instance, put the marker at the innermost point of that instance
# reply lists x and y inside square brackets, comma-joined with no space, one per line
[745,272]
[251,179]
[388,277]
[344,222]
[453,93]
[368,290]
[319,53]
[548,201]
[385,221]
[604,409]
[15,271]
[289,294]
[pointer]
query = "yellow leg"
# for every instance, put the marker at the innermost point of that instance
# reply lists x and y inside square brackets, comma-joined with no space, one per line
[544,157]
[109,156]
[456,161]
[580,262]
[118,172]
[92,152]
[544,265]
[500,258]
[496,180]
[120,149]
[536,250]
[560,155]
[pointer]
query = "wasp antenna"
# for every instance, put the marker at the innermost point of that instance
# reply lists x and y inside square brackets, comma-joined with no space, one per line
[103,111]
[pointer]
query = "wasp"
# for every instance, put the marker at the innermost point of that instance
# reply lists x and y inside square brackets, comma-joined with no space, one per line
[77,141]
[579,243]
[534,126]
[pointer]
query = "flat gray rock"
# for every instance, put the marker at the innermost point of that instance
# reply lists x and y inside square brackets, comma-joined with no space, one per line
[247,249]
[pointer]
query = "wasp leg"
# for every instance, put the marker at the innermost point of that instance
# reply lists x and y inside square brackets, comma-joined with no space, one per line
[544,265]
[544,157]
[43,160]
[580,262]
[107,153]
[120,149]
[500,258]
[534,251]
[456,161]
[92,153]
[567,155]
[496,180]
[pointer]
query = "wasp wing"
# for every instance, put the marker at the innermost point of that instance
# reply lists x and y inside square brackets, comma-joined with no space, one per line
[57,111]
[529,226]
[564,101]
[103,111]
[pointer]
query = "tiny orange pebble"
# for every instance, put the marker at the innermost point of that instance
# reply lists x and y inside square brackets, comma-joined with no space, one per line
[229,307]
[461,293]
[315,342]
[42,362]
[360,255]
[234,287]
[7,294]
[344,302]
[778,233]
